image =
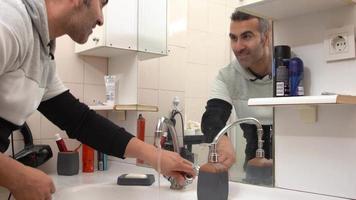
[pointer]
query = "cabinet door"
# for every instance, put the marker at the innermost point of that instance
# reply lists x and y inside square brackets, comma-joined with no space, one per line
[121,24]
[152,26]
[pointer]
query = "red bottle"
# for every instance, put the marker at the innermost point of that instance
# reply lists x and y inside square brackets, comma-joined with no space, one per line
[140,133]
[88,158]
[60,143]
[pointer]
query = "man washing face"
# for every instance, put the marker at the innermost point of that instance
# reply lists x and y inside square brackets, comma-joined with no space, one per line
[28,82]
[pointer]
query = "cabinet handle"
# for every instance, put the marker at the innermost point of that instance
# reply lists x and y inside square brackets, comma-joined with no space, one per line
[95,39]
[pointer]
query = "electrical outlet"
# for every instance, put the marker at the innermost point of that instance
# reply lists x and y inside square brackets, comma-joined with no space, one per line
[339,43]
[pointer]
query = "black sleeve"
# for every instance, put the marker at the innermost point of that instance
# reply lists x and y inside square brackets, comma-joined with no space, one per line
[85,125]
[215,117]
[6,128]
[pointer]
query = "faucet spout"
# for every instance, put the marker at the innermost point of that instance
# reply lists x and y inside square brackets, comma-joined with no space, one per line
[213,155]
[160,128]
[162,125]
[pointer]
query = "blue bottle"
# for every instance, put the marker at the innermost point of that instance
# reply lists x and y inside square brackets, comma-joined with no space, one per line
[296,75]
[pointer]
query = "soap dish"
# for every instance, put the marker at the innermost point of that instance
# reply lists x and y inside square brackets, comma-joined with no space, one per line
[136,179]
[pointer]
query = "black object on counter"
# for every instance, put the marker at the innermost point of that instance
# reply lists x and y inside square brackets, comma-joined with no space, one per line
[126,179]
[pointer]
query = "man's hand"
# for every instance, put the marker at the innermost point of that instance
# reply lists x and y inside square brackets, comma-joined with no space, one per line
[25,183]
[33,185]
[172,164]
[226,151]
[167,162]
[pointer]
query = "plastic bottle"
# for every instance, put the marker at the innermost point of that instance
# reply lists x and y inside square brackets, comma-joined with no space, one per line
[60,143]
[110,88]
[282,79]
[296,75]
[140,132]
[282,54]
[88,158]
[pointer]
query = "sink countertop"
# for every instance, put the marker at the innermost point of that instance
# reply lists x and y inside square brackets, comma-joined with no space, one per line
[109,177]
[238,191]
[115,169]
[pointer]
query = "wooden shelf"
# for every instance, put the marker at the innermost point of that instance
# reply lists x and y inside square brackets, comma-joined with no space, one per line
[303,100]
[126,107]
[135,107]
[101,107]
[281,9]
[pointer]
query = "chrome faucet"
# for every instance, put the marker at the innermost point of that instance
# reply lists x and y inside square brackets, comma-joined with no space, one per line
[161,128]
[260,153]
[161,124]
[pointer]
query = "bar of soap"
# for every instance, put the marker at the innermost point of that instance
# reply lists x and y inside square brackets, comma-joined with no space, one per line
[136,176]
[136,179]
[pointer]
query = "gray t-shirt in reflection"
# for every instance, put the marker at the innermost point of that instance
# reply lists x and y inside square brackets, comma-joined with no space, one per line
[236,85]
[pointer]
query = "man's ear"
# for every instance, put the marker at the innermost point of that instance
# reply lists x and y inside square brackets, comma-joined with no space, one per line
[266,38]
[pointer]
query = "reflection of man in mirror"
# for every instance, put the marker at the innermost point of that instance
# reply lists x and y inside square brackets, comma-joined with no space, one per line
[247,77]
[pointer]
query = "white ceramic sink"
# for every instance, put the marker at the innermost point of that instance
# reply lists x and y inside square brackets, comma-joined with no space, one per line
[102,186]
[236,192]
[117,192]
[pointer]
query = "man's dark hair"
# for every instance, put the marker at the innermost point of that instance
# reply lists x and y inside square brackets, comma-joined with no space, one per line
[238,15]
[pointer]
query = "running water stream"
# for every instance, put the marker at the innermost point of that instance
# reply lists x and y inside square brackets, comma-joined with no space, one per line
[157,144]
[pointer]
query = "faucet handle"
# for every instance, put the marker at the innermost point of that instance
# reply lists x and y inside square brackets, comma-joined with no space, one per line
[260,153]
[175,185]
[188,179]
[213,154]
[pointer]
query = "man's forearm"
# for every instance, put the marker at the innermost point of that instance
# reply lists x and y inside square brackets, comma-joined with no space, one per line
[83,124]
[9,171]
[138,149]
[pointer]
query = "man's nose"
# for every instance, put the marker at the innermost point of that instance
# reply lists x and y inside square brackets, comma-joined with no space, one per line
[100,21]
[238,46]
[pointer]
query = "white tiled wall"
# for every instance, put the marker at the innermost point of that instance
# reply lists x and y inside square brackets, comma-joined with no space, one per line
[198,47]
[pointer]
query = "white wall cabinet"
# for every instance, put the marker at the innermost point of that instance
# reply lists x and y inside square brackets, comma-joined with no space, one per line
[282,9]
[152,26]
[129,27]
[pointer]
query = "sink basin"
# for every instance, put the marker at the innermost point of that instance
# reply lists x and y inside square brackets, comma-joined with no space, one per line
[112,191]
[117,192]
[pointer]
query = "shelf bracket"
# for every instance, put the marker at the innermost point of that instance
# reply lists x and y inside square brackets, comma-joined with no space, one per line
[117,116]
[308,113]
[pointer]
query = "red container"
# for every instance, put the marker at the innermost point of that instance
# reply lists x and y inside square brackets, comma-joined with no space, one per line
[60,143]
[140,133]
[88,158]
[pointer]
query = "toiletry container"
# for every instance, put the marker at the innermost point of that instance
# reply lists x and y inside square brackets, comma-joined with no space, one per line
[282,79]
[60,143]
[110,89]
[68,163]
[296,75]
[213,182]
[140,133]
[102,161]
[88,158]
[282,54]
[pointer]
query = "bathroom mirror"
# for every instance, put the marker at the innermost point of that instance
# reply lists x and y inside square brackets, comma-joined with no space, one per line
[247,168]
[196,55]
[249,76]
